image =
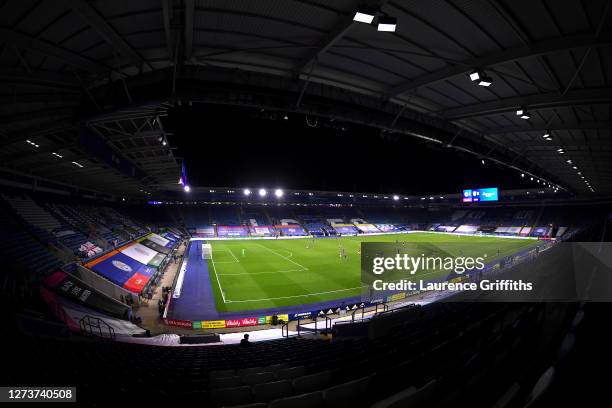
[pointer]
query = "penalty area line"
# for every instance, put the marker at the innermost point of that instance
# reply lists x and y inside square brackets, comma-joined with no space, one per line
[292,297]
[284,257]
[217,276]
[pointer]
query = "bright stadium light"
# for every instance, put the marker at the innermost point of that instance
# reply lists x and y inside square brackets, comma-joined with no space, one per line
[475,76]
[187,188]
[523,175]
[278,193]
[387,24]
[364,15]
[246,192]
[485,81]
[262,192]
[396,197]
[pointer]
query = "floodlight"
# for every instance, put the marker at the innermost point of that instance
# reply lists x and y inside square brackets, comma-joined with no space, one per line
[525,115]
[187,188]
[520,111]
[485,81]
[262,192]
[247,192]
[278,193]
[364,15]
[396,197]
[387,24]
[474,76]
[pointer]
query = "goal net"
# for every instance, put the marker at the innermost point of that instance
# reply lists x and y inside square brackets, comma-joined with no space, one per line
[206,251]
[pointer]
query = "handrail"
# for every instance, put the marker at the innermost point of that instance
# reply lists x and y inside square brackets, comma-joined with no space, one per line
[89,323]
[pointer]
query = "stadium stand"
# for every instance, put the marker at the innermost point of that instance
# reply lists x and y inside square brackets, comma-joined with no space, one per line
[448,355]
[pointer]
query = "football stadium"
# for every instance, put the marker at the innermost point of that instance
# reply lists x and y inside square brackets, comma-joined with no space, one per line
[306,203]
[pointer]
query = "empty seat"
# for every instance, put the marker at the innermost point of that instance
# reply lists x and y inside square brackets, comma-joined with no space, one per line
[350,395]
[312,382]
[225,397]
[291,373]
[225,382]
[542,385]
[274,368]
[246,371]
[258,378]
[410,397]
[508,397]
[273,390]
[310,400]
[222,373]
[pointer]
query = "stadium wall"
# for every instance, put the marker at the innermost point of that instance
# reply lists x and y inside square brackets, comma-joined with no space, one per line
[100,283]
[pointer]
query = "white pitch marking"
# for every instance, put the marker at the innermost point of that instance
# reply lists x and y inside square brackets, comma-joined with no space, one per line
[294,296]
[284,257]
[217,276]
[260,273]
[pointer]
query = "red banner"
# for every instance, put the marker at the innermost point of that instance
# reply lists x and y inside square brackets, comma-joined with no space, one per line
[136,283]
[247,321]
[179,323]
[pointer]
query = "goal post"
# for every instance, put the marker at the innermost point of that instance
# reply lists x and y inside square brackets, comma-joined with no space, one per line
[206,251]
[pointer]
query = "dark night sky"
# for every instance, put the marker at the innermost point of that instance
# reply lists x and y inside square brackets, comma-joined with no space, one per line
[234,147]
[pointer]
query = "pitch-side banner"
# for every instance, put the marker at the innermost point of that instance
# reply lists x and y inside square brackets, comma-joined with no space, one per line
[488,270]
[139,252]
[158,239]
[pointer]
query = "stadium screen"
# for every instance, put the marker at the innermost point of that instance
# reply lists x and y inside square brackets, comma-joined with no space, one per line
[480,194]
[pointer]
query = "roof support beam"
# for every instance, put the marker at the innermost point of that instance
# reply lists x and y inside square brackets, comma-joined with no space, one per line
[326,43]
[560,126]
[189,20]
[37,77]
[531,102]
[167,11]
[105,31]
[35,45]
[502,57]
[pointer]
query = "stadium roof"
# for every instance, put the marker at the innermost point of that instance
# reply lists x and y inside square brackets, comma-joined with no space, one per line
[114,67]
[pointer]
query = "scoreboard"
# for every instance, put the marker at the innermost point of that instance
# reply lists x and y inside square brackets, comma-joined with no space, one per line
[480,194]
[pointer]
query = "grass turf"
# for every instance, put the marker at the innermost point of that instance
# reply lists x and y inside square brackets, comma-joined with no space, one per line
[257,274]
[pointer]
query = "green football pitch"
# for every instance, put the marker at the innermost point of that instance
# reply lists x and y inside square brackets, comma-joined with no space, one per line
[255,274]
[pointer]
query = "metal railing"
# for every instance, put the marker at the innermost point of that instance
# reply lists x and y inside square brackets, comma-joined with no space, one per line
[94,326]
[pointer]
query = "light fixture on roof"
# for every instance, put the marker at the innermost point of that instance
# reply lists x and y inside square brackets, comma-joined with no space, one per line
[387,24]
[164,142]
[247,192]
[278,193]
[546,135]
[522,113]
[286,117]
[187,188]
[396,197]
[262,192]
[480,78]
[523,175]
[32,143]
[482,161]
[485,81]
[57,155]
[79,165]
[364,15]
